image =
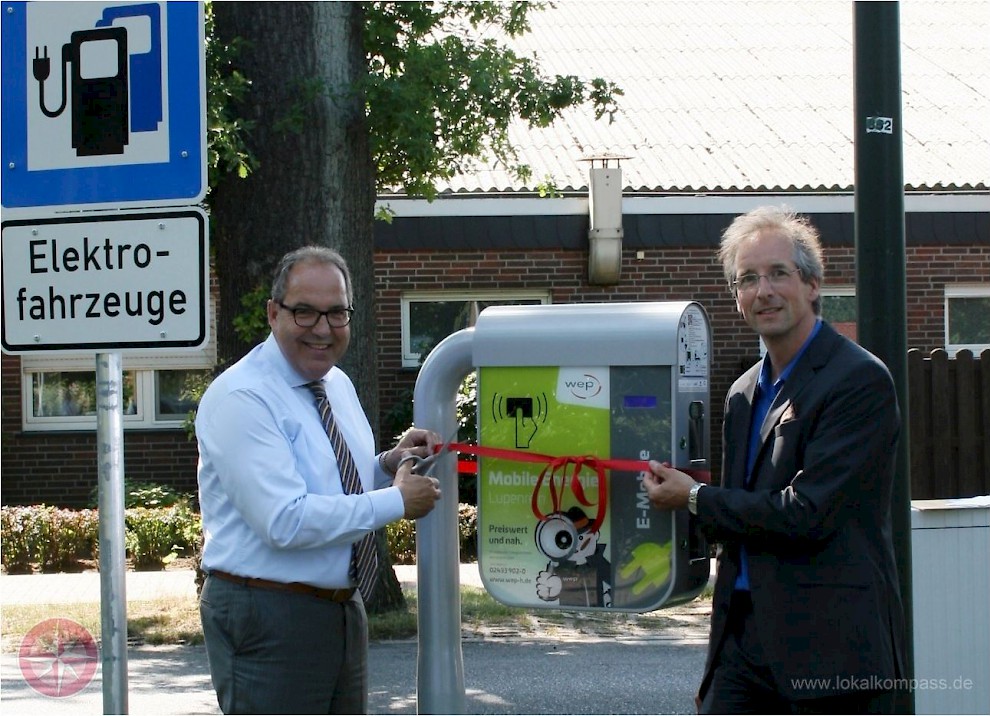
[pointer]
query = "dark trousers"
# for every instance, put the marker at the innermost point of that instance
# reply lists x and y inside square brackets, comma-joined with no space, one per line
[742,682]
[281,653]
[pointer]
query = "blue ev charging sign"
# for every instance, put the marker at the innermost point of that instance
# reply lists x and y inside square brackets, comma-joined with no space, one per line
[103,105]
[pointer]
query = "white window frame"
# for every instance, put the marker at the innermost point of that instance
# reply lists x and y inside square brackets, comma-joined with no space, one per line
[411,359]
[963,291]
[145,399]
[838,292]
[145,364]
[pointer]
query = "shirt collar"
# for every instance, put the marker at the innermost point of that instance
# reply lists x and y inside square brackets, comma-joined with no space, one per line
[276,359]
[764,382]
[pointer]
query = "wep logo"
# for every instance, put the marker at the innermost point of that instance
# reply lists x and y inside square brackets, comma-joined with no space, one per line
[584,388]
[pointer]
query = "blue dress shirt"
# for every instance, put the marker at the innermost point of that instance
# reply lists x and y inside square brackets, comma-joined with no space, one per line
[270,494]
[764,397]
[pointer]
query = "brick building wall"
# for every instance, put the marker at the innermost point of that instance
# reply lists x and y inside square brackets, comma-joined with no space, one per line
[61,469]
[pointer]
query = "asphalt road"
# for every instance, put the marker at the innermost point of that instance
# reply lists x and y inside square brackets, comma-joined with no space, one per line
[654,675]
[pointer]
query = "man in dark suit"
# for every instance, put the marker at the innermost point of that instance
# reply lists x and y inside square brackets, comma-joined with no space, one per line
[807,615]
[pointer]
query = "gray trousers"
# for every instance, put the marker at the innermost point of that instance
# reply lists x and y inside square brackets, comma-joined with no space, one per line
[276,652]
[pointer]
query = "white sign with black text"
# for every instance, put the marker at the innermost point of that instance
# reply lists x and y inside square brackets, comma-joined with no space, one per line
[108,283]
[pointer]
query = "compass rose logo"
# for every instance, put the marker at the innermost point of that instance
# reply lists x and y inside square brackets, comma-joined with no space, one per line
[58,658]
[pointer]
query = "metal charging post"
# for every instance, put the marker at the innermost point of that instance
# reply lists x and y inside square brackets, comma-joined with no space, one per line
[440,673]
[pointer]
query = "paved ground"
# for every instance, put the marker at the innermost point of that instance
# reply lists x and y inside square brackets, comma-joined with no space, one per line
[561,663]
[84,587]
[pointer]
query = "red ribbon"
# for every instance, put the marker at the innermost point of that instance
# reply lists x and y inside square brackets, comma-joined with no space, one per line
[553,464]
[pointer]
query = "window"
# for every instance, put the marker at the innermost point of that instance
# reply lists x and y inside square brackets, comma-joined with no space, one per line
[839,309]
[71,395]
[967,318]
[152,399]
[428,318]
[175,391]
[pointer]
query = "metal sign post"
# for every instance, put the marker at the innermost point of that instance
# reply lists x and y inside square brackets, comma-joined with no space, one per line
[881,250]
[113,595]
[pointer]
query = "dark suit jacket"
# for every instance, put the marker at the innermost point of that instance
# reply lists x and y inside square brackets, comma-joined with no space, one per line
[815,522]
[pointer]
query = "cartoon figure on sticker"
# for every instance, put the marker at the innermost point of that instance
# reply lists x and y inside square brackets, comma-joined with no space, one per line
[578,574]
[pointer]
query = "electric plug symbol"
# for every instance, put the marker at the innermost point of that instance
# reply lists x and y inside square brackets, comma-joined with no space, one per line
[42,66]
[100,100]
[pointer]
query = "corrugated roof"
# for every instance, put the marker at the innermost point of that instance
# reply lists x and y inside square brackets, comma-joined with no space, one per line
[751,96]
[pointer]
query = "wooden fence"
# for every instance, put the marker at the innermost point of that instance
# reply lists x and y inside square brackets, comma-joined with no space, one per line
[949,425]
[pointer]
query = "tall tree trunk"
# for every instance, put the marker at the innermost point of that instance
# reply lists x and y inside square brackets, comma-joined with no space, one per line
[315,181]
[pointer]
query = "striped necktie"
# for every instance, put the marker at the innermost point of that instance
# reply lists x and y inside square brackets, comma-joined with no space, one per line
[364,555]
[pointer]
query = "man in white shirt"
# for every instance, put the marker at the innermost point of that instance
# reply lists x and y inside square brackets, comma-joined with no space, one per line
[285,627]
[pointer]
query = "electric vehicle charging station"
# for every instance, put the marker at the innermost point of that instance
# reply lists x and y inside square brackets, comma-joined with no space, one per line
[624,383]
[573,399]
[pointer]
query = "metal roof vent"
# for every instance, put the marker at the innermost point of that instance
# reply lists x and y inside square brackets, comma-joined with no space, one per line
[605,207]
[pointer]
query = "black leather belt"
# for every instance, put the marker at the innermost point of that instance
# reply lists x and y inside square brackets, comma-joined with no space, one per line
[334,595]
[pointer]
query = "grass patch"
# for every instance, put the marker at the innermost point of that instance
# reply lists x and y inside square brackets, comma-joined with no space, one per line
[398,624]
[477,609]
[161,621]
[175,620]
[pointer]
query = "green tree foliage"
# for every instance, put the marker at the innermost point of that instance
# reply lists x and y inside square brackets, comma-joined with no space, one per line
[443,88]
[225,86]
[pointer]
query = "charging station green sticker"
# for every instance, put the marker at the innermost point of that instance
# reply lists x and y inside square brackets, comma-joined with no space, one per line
[548,541]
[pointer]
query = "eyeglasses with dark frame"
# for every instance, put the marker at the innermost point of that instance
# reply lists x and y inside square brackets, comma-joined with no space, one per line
[777,277]
[306,317]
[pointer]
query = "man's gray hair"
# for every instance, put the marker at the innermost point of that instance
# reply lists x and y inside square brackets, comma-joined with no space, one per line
[807,254]
[310,255]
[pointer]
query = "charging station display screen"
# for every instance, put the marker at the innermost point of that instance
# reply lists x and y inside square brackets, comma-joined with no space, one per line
[573,536]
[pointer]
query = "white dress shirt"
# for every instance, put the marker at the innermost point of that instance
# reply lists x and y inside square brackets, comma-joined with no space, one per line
[269,488]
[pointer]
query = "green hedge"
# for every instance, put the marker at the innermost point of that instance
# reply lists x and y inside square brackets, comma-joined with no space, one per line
[52,539]
[155,536]
[401,536]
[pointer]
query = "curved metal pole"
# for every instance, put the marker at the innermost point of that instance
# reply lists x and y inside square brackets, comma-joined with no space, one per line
[440,673]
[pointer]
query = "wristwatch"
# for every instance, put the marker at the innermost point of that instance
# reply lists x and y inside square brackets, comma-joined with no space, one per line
[383,463]
[693,497]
